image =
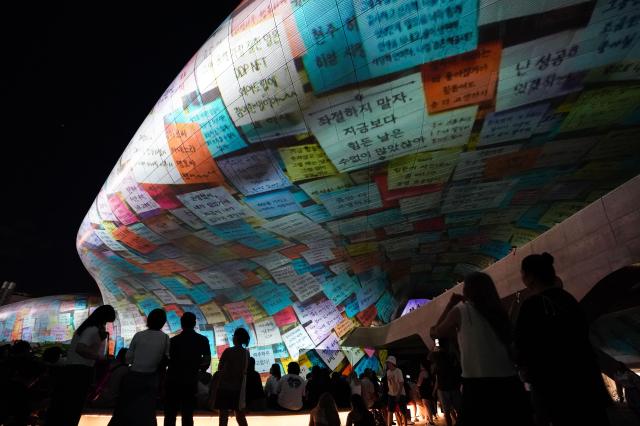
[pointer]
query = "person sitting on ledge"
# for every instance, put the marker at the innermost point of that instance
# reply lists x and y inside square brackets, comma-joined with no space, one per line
[291,388]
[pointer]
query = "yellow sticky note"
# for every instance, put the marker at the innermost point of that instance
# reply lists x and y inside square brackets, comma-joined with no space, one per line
[523,236]
[306,162]
[602,107]
[425,168]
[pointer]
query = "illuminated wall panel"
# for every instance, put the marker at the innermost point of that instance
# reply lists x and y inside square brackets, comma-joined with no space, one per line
[51,319]
[317,162]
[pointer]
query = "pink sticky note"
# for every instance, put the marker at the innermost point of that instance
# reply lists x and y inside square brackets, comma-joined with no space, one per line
[121,211]
[285,316]
[369,352]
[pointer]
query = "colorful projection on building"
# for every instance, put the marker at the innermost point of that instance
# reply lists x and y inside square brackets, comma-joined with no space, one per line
[51,319]
[317,163]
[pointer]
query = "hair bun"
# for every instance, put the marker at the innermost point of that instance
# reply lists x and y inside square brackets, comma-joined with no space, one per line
[547,257]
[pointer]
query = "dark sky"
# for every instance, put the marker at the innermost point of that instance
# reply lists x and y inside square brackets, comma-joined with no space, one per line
[82,77]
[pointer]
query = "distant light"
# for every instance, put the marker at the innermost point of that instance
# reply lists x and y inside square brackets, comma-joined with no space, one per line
[414,304]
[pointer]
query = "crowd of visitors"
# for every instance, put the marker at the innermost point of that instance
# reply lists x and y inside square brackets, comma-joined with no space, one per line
[539,367]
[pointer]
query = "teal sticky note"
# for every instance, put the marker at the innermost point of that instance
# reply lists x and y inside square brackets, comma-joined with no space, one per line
[218,130]
[272,204]
[340,287]
[334,54]
[174,321]
[399,35]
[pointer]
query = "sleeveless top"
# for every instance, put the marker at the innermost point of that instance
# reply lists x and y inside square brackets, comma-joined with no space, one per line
[482,354]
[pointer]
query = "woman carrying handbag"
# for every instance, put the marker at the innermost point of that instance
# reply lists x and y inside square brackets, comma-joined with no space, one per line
[229,384]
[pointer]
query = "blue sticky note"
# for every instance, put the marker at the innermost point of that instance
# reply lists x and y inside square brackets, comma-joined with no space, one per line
[334,55]
[261,241]
[352,200]
[174,321]
[385,218]
[200,318]
[201,294]
[386,305]
[351,306]
[340,287]
[174,285]
[80,304]
[272,204]
[210,337]
[272,297]
[218,130]
[317,213]
[301,266]
[280,351]
[231,327]
[232,231]
[367,362]
[148,304]
[399,35]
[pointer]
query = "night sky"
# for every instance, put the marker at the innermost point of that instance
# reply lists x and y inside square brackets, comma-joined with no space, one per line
[82,78]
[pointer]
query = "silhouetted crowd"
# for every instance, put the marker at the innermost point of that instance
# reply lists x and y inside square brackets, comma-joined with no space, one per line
[533,365]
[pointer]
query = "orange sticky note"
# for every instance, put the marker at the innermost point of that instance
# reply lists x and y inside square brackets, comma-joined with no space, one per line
[511,163]
[466,79]
[133,240]
[191,154]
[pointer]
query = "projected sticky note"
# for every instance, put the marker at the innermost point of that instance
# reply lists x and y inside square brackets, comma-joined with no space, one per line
[334,55]
[214,205]
[254,173]
[397,36]
[466,79]
[306,162]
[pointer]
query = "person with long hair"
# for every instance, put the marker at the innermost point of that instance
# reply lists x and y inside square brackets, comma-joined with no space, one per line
[271,387]
[231,381]
[147,356]
[553,350]
[484,337]
[325,413]
[359,414]
[87,346]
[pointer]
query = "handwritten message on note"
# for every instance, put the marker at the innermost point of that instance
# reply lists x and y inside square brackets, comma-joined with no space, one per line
[254,173]
[297,341]
[358,128]
[537,70]
[306,162]
[397,35]
[304,286]
[256,74]
[328,184]
[340,287]
[351,200]
[219,133]
[425,168]
[272,297]
[462,80]
[334,55]
[602,107]
[133,240]
[213,205]
[191,155]
[519,123]
[475,196]
[272,204]
[329,351]
[136,197]
[267,332]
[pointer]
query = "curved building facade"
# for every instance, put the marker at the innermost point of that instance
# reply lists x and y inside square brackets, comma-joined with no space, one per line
[318,163]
